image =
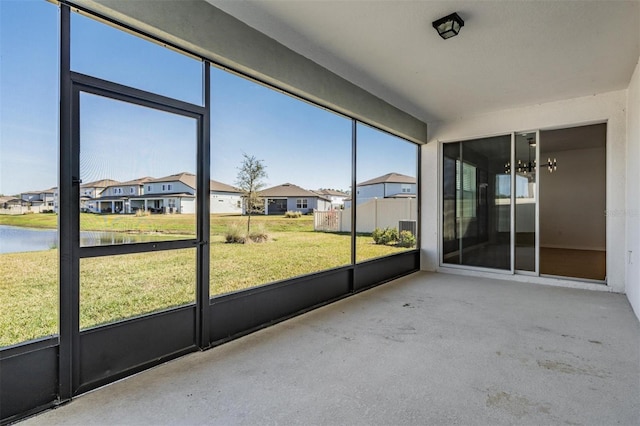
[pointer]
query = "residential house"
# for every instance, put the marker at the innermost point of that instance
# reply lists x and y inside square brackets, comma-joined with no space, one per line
[391,185]
[170,194]
[224,198]
[38,201]
[118,197]
[90,191]
[289,197]
[10,205]
[337,197]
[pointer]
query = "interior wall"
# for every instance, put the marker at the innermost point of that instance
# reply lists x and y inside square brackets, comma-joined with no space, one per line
[607,107]
[573,200]
[633,192]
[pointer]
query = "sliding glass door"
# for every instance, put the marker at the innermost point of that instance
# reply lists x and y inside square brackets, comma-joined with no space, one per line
[530,203]
[477,203]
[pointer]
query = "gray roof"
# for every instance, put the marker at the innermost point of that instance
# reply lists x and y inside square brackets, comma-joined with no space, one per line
[288,190]
[102,183]
[214,185]
[188,179]
[140,181]
[390,178]
[9,199]
[331,192]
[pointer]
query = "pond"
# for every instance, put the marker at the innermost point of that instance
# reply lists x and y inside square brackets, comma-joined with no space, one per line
[17,239]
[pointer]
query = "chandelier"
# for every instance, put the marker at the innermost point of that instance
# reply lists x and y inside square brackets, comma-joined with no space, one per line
[530,166]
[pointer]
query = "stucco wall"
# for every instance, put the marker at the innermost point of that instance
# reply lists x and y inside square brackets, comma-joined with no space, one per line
[225,203]
[370,191]
[633,192]
[606,107]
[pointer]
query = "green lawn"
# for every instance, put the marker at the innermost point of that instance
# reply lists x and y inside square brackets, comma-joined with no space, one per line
[117,287]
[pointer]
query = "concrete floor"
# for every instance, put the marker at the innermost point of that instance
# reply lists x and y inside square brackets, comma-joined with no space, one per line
[425,349]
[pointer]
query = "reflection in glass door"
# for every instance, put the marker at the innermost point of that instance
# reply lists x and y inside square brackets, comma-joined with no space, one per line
[477,203]
[525,171]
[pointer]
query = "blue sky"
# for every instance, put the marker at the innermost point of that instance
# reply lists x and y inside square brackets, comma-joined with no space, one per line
[298,142]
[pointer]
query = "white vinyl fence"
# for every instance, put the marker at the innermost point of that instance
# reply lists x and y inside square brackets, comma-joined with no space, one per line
[23,209]
[376,213]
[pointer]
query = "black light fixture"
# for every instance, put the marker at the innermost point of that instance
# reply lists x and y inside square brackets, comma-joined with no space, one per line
[530,166]
[449,26]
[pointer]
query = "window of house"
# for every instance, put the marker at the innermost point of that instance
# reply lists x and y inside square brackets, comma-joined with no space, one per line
[169,187]
[149,188]
[131,190]
[163,187]
[301,203]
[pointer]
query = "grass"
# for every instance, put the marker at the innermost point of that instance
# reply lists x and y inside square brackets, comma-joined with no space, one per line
[118,287]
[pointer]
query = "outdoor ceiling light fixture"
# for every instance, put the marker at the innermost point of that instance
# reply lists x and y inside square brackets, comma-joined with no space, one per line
[448,26]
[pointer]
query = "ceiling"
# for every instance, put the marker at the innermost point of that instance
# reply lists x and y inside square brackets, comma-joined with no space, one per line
[508,54]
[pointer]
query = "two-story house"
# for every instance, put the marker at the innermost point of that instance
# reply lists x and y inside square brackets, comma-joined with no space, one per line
[391,185]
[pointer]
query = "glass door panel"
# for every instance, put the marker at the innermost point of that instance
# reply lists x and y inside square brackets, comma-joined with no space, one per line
[477,203]
[526,177]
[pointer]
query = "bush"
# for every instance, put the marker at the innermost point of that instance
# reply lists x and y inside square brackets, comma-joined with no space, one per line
[141,212]
[406,239]
[292,214]
[384,236]
[377,235]
[259,235]
[234,235]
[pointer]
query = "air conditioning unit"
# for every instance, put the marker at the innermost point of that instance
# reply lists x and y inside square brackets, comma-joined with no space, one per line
[408,225]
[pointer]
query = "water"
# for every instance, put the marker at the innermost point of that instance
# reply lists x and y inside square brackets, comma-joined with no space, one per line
[17,239]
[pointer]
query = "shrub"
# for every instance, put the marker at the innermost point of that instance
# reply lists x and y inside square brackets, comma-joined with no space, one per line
[406,239]
[292,214]
[141,212]
[258,235]
[377,235]
[234,235]
[385,236]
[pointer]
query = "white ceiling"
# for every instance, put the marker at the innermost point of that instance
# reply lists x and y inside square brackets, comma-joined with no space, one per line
[508,54]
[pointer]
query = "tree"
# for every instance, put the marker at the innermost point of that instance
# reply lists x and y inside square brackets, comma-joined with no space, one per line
[249,181]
